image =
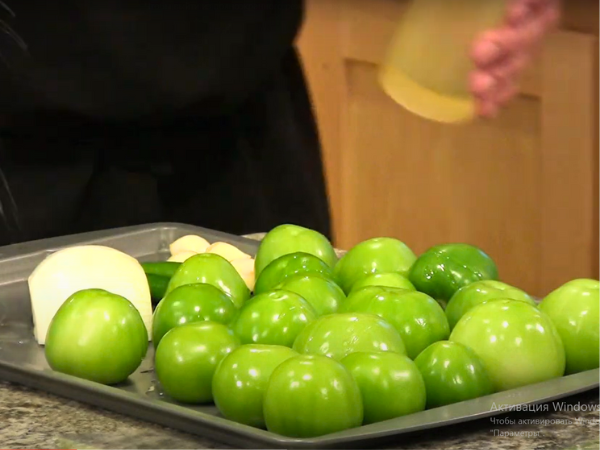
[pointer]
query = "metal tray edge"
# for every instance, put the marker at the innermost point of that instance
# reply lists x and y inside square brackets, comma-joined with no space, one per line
[223,430]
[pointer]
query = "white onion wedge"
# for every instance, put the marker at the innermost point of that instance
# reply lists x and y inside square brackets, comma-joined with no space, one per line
[73,269]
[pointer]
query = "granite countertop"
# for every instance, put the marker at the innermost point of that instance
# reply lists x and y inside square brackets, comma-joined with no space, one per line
[34,419]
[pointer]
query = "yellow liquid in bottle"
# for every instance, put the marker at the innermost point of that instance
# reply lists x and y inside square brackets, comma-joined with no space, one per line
[428,62]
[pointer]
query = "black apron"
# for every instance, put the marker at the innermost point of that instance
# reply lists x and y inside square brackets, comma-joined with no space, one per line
[189,111]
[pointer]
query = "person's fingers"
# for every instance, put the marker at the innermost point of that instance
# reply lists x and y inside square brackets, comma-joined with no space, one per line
[512,67]
[490,108]
[482,83]
[492,47]
[542,16]
[552,15]
[506,92]
[526,23]
[519,11]
[501,55]
[531,32]
[488,103]
[530,5]
[486,50]
[486,109]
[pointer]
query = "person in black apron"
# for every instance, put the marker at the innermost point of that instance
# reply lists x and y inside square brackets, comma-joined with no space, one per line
[116,113]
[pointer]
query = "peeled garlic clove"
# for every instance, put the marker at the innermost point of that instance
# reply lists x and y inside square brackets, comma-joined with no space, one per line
[189,243]
[227,251]
[245,267]
[181,256]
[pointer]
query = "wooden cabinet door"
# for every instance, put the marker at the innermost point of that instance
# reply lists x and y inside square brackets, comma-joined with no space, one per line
[523,187]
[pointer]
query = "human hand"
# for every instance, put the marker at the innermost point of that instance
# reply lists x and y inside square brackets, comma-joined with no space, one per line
[501,55]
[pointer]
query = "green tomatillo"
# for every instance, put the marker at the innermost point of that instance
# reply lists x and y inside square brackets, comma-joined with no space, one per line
[213,269]
[518,344]
[187,357]
[273,318]
[452,373]
[287,266]
[289,238]
[338,335]
[390,384]
[191,303]
[418,318]
[574,309]
[388,279]
[324,295]
[444,269]
[310,396]
[480,292]
[241,380]
[98,336]
[377,255]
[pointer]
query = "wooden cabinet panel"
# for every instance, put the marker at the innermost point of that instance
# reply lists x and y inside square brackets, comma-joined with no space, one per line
[569,171]
[425,184]
[523,186]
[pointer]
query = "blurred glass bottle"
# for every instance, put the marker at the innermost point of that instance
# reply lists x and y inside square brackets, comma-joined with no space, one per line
[427,65]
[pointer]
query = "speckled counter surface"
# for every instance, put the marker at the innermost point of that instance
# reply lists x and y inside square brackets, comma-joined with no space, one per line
[32,419]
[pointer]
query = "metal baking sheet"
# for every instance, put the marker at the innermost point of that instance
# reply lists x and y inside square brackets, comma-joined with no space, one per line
[22,359]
